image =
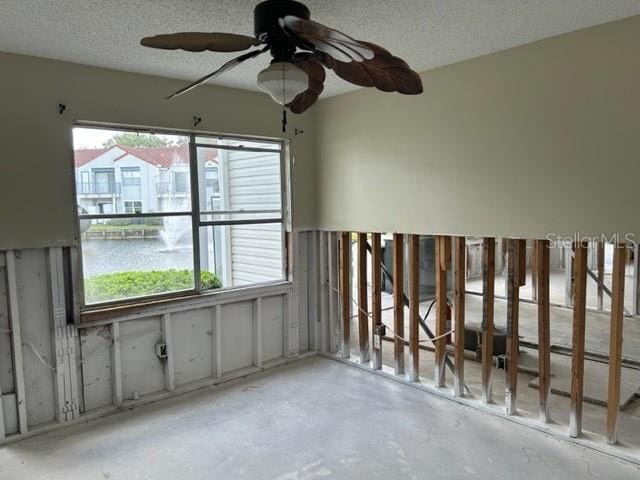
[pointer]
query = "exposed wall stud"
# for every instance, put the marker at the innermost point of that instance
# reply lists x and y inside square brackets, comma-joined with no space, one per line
[116,363]
[398,302]
[460,249]
[324,291]
[635,298]
[217,354]
[488,293]
[167,337]
[522,262]
[513,303]
[615,342]
[414,307]
[577,361]
[363,310]
[257,332]
[600,268]
[443,263]
[376,301]
[544,338]
[334,308]
[345,291]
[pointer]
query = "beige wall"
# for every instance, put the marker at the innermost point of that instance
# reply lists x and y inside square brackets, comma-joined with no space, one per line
[536,139]
[36,204]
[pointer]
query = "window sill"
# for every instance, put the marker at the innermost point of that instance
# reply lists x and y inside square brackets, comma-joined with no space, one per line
[189,301]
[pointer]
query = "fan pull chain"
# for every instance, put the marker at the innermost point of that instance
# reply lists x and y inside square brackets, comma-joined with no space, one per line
[284,120]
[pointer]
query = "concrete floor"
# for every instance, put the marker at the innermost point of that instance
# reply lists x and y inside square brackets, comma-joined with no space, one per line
[597,340]
[316,418]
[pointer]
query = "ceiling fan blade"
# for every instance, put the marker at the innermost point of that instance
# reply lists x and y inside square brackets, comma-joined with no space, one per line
[316,73]
[325,39]
[384,72]
[407,81]
[200,41]
[227,66]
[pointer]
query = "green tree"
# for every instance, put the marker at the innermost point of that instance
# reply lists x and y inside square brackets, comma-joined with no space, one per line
[133,139]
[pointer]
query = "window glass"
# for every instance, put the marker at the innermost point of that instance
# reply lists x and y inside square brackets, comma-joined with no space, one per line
[136,257]
[246,187]
[116,167]
[138,231]
[257,253]
[130,176]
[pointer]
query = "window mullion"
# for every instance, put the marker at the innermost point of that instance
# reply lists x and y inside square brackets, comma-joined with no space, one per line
[195,212]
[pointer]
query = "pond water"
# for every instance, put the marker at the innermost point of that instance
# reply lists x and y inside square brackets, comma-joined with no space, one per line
[109,256]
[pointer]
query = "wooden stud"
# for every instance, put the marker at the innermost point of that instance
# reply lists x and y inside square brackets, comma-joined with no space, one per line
[534,270]
[577,361]
[635,286]
[414,307]
[513,345]
[600,267]
[257,332]
[522,262]
[488,293]
[217,357]
[376,300]
[334,324]
[345,290]
[615,342]
[116,361]
[443,262]
[167,336]
[323,306]
[460,247]
[363,310]
[398,302]
[544,337]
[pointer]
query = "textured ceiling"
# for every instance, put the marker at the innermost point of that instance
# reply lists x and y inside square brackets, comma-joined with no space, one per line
[427,34]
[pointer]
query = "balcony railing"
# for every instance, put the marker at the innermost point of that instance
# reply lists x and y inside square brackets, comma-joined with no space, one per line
[98,188]
[169,188]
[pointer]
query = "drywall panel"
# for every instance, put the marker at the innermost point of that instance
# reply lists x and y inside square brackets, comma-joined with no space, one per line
[36,144]
[236,336]
[37,340]
[142,370]
[192,337]
[272,327]
[95,346]
[10,413]
[537,139]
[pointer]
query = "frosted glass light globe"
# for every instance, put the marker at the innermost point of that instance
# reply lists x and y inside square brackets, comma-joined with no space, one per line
[283,81]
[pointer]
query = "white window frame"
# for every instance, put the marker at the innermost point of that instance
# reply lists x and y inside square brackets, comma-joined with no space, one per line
[284,218]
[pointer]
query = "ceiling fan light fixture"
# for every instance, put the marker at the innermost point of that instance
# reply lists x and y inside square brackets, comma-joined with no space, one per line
[283,81]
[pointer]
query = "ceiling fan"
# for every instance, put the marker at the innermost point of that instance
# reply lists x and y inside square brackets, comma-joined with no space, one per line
[301,49]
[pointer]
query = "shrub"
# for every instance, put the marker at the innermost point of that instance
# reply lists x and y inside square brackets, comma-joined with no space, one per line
[113,286]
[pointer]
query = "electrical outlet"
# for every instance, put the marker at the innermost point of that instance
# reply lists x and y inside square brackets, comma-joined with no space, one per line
[161,350]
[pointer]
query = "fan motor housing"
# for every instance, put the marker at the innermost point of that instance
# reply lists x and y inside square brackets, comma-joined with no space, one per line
[267,13]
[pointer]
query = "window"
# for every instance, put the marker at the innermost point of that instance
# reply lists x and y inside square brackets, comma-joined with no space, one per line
[181,182]
[226,232]
[130,176]
[132,207]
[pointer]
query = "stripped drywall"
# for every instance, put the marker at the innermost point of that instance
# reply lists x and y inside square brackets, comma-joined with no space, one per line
[209,339]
